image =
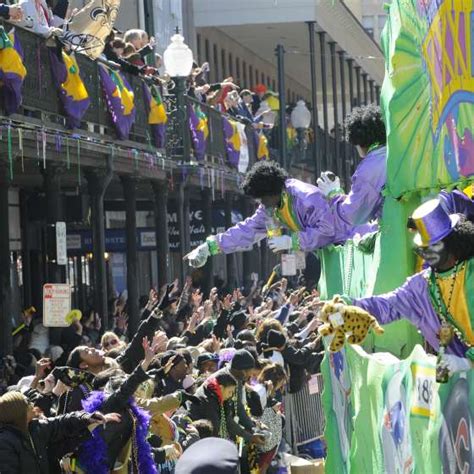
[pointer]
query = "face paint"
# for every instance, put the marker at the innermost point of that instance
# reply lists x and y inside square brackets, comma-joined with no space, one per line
[434,255]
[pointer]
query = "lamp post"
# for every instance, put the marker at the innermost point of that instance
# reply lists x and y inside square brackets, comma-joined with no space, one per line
[178,61]
[301,120]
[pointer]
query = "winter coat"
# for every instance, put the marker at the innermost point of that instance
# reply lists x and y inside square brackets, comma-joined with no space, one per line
[209,408]
[22,453]
[297,360]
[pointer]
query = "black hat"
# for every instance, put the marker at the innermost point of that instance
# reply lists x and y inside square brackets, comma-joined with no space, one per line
[206,357]
[238,319]
[242,360]
[168,355]
[209,456]
[275,339]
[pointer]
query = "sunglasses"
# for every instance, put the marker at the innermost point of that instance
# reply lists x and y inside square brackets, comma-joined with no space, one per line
[111,343]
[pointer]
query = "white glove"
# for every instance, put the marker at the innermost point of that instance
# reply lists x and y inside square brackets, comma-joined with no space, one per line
[329,183]
[198,257]
[282,242]
[455,364]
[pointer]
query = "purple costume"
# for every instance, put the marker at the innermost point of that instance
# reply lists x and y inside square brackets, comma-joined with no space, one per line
[353,212]
[365,201]
[311,219]
[411,301]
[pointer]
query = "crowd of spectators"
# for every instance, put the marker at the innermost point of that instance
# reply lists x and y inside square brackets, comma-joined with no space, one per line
[200,366]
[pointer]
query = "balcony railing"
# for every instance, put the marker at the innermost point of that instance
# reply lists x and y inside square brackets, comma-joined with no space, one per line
[41,102]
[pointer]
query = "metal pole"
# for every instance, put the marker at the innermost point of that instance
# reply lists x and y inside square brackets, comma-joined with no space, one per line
[350,64]
[280,54]
[5,265]
[182,150]
[343,103]
[130,197]
[322,40]
[207,214]
[366,92]
[160,191]
[359,94]
[314,99]
[54,213]
[332,48]
[182,238]
[230,258]
[97,185]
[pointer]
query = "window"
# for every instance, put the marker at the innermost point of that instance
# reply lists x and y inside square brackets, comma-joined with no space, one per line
[263,78]
[237,69]
[216,64]
[273,85]
[256,76]
[244,71]
[207,55]
[223,64]
[250,76]
[198,41]
[269,82]
[231,65]
[368,24]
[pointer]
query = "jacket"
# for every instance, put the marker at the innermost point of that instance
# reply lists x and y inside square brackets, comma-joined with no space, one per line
[209,408]
[297,360]
[28,453]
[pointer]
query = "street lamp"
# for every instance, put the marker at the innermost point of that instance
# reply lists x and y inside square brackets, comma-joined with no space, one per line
[301,120]
[178,61]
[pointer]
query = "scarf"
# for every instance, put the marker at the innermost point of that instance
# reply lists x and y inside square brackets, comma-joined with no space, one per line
[215,388]
[93,453]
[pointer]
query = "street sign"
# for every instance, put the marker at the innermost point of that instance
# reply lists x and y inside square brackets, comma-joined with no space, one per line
[56,304]
[61,243]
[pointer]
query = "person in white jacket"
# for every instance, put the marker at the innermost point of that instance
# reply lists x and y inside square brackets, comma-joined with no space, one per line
[39,18]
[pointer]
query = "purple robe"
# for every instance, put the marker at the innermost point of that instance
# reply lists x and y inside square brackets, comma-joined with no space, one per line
[365,201]
[311,209]
[411,301]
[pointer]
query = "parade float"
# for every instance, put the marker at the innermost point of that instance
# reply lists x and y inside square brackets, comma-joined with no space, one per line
[385,412]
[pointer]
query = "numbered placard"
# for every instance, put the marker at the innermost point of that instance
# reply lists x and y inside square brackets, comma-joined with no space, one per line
[424,390]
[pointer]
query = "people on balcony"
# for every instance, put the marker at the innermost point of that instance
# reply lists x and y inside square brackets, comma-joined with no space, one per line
[40,18]
[11,12]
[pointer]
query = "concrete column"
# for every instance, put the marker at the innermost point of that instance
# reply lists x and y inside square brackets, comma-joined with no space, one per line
[130,195]
[160,191]
[5,264]
[97,185]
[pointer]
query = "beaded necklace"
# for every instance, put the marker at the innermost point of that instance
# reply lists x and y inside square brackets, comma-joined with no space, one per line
[443,310]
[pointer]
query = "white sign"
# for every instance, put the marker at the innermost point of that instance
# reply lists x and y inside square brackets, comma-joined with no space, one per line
[56,304]
[61,243]
[288,264]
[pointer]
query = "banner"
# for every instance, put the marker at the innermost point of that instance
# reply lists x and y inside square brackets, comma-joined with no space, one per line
[244,158]
[12,71]
[428,94]
[120,100]
[199,128]
[391,416]
[72,91]
[88,28]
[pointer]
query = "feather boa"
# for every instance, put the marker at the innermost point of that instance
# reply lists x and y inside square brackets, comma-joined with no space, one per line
[93,453]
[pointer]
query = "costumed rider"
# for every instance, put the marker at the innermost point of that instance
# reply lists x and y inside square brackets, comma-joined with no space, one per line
[439,300]
[365,129]
[299,207]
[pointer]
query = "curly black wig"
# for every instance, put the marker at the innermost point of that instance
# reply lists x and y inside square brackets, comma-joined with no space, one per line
[460,242]
[266,178]
[365,126]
